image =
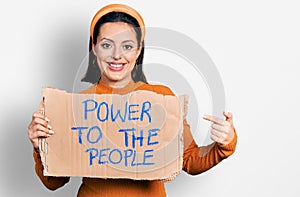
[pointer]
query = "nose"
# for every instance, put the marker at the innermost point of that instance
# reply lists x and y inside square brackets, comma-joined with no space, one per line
[117,53]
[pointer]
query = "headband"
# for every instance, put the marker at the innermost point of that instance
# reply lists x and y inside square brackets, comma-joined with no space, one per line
[118,8]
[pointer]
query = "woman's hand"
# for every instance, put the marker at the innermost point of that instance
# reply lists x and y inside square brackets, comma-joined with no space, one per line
[39,127]
[222,131]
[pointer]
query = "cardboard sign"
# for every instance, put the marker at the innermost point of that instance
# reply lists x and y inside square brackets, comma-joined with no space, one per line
[137,135]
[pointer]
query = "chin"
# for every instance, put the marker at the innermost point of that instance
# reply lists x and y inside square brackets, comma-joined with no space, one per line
[115,78]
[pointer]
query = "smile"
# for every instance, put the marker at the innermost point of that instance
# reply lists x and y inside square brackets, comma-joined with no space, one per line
[116,66]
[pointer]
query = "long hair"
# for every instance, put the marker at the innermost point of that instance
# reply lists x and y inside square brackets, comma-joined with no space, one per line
[93,73]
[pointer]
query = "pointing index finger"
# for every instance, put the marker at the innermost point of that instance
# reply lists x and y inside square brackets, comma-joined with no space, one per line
[214,119]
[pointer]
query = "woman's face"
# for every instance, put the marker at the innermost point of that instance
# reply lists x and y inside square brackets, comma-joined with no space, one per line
[116,51]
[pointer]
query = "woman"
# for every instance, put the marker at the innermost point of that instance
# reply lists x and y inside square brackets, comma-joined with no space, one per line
[115,66]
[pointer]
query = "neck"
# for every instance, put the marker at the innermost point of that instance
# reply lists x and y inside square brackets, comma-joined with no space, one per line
[116,84]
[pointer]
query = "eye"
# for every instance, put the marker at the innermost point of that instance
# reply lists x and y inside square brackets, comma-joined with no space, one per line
[127,47]
[106,45]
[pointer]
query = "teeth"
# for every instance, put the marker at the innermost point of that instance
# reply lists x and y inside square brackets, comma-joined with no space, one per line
[116,65]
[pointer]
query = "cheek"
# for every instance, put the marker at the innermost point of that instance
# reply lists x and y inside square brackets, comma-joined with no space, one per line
[102,56]
[100,59]
[131,57]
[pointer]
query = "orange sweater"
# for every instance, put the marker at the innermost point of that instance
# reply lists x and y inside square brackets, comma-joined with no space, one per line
[195,159]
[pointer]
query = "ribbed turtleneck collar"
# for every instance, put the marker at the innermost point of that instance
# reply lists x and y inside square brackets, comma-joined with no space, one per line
[101,88]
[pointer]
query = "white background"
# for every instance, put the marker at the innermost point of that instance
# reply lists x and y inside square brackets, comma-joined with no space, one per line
[254,44]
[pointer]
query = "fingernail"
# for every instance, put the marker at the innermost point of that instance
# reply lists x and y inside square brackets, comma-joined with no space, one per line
[47,119]
[48,135]
[204,116]
[49,126]
[51,131]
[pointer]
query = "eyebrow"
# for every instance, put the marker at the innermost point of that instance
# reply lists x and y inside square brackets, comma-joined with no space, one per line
[106,39]
[113,41]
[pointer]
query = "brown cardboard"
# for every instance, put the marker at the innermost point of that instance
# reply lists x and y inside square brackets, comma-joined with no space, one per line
[89,142]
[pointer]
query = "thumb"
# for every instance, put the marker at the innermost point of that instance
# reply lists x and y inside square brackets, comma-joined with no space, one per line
[228,116]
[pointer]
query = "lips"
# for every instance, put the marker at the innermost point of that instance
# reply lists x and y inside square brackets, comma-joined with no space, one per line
[115,66]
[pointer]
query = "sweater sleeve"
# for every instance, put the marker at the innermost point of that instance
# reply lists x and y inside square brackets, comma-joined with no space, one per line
[50,182]
[200,159]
